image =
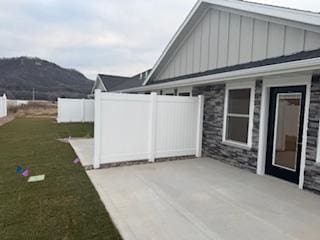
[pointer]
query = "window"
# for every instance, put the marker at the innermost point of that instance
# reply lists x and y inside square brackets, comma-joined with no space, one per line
[184,91]
[238,117]
[168,92]
[184,94]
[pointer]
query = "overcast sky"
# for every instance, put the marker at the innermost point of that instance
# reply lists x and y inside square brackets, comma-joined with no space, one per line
[98,36]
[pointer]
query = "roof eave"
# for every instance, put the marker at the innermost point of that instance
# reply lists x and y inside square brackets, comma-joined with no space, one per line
[263,71]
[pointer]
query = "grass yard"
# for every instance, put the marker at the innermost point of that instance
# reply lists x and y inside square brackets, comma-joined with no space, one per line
[65,205]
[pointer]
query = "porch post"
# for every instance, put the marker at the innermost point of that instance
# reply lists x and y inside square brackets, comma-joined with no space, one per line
[83,110]
[152,126]
[97,128]
[199,125]
[59,110]
[5,107]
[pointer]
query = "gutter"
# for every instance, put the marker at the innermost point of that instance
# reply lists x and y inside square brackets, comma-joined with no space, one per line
[269,70]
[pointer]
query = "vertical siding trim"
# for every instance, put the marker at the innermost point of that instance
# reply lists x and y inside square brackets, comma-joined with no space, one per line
[304,39]
[218,41]
[228,40]
[200,49]
[239,51]
[268,36]
[267,42]
[284,40]
[193,46]
[209,37]
[252,38]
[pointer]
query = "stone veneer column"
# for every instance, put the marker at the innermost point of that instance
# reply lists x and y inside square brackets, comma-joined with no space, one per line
[312,169]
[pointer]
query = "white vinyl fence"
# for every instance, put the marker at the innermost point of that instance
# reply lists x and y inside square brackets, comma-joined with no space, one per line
[3,106]
[75,110]
[130,127]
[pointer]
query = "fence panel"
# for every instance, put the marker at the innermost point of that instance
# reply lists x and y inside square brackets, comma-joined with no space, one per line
[130,127]
[75,110]
[3,106]
[176,126]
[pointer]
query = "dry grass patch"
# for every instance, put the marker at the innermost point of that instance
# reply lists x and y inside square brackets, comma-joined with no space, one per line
[35,109]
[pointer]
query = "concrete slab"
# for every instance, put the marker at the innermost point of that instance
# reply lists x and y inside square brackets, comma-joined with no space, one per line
[84,148]
[205,199]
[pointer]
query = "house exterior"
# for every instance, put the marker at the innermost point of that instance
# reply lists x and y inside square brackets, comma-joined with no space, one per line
[258,67]
[111,83]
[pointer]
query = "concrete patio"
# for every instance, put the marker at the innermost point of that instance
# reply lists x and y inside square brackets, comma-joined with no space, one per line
[205,199]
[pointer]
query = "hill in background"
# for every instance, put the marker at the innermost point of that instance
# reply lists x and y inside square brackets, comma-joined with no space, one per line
[18,76]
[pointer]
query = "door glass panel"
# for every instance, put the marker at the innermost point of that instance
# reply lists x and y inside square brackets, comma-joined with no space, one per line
[287,130]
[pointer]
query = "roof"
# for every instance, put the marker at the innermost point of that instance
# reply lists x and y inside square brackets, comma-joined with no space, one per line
[266,62]
[115,83]
[301,62]
[309,20]
[111,81]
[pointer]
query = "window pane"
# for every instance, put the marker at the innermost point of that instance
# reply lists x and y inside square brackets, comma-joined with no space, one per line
[184,94]
[237,129]
[239,101]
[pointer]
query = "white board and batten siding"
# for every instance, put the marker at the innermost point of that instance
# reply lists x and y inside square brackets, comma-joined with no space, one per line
[132,127]
[3,106]
[75,110]
[225,38]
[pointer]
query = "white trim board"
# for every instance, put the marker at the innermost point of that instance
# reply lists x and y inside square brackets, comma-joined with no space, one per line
[318,145]
[264,115]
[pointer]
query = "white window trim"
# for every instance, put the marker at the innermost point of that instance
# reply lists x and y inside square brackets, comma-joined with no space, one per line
[232,86]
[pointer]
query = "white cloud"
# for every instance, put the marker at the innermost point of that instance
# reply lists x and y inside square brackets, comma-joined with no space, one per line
[117,37]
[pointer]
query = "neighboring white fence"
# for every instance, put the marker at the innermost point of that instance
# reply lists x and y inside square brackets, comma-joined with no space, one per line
[16,103]
[131,127]
[75,110]
[3,106]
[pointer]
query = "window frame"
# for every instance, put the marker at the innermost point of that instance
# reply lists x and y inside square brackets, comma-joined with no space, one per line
[238,86]
[185,90]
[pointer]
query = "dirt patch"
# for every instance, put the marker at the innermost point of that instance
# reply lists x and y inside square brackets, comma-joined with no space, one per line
[35,109]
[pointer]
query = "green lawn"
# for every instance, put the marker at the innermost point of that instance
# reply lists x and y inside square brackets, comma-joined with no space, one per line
[65,205]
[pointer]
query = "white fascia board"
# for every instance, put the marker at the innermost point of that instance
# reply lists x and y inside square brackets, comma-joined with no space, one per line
[94,85]
[102,84]
[269,10]
[269,70]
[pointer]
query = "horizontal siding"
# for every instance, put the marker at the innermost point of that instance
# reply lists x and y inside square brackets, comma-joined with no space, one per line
[222,39]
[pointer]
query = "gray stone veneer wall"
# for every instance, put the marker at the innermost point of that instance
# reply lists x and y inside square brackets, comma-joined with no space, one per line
[312,169]
[213,126]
